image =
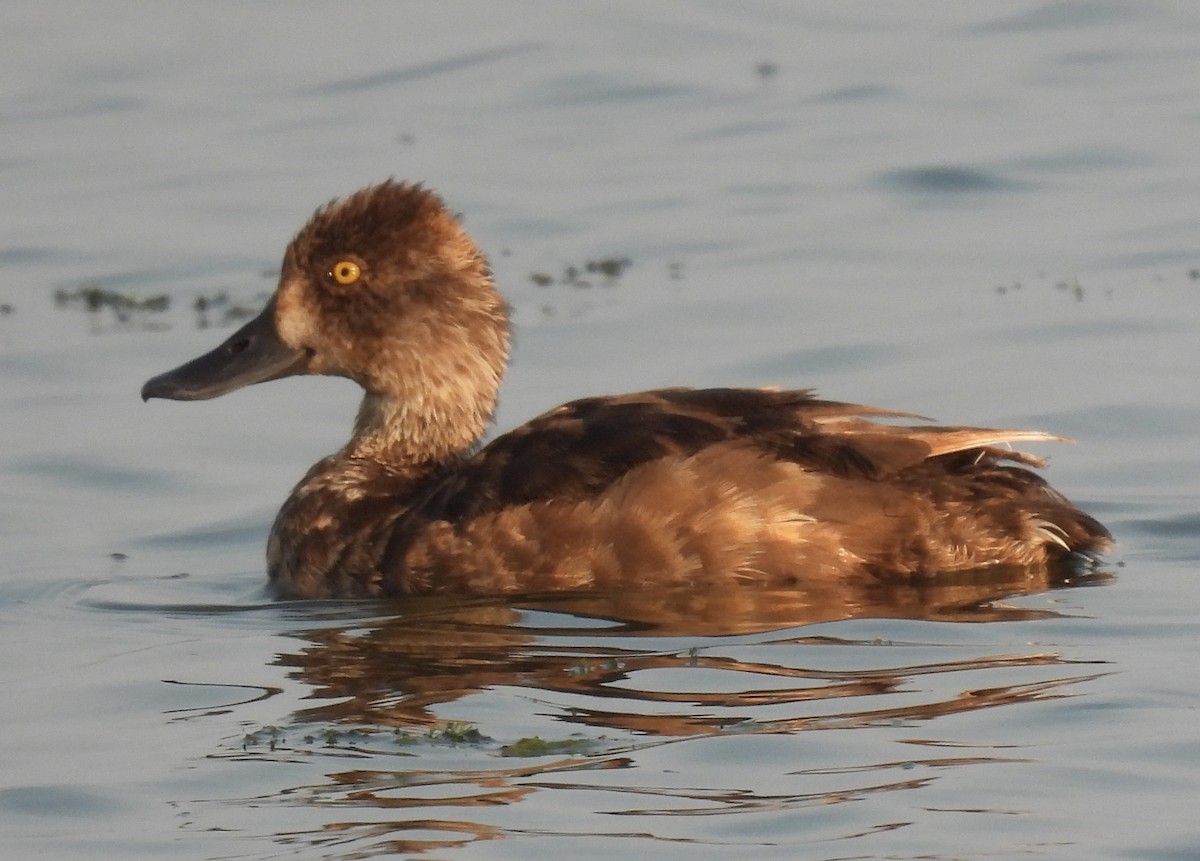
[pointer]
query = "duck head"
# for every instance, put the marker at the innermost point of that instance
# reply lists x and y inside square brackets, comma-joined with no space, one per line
[383,287]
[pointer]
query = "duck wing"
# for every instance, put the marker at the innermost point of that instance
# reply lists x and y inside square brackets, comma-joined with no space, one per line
[581,449]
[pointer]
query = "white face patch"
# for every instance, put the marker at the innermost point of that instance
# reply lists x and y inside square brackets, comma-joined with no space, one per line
[294,317]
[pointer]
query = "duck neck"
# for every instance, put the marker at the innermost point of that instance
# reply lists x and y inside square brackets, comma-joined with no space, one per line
[431,391]
[411,438]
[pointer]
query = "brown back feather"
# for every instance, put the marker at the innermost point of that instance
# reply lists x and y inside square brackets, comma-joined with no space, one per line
[581,449]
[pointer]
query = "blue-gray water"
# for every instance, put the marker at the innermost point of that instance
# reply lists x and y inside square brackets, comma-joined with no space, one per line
[985,213]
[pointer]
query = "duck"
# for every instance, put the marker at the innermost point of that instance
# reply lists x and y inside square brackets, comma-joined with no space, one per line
[686,487]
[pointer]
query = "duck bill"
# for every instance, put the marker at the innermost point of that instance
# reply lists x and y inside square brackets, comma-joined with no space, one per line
[253,354]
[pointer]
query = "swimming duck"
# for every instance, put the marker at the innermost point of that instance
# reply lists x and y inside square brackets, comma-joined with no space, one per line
[673,486]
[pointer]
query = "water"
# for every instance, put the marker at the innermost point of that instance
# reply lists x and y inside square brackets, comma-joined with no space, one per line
[984,213]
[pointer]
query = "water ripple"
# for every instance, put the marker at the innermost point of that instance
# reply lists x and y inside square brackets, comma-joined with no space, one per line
[419,71]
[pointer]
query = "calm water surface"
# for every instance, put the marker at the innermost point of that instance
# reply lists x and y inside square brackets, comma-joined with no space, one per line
[981,212]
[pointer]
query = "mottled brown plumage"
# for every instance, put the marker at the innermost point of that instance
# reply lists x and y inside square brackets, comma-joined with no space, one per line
[676,486]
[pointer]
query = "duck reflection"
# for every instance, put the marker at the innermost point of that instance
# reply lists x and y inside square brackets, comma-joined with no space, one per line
[389,671]
[619,671]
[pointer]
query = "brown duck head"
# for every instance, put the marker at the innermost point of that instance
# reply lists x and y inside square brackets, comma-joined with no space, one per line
[383,287]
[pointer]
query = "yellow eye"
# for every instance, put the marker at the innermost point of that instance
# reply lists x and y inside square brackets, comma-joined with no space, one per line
[345,272]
